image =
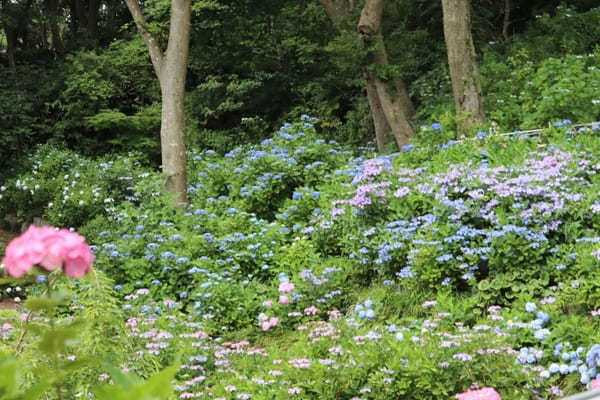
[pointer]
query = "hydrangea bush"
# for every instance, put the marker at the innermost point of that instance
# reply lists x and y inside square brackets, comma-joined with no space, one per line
[300,269]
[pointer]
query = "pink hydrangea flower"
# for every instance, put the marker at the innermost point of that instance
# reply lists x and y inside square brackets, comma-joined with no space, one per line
[6,326]
[283,300]
[595,384]
[266,325]
[286,287]
[312,310]
[50,249]
[486,393]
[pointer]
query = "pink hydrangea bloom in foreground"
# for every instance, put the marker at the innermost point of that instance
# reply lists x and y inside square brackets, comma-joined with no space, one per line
[487,393]
[50,249]
[595,384]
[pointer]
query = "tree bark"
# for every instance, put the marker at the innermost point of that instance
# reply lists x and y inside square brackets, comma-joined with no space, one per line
[171,70]
[78,17]
[390,104]
[506,23]
[11,46]
[382,128]
[44,36]
[74,23]
[14,26]
[337,10]
[54,29]
[394,114]
[92,22]
[393,96]
[80,10]
[464,73]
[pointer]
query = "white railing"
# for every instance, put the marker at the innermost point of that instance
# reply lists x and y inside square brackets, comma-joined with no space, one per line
[591,395]
[492,132]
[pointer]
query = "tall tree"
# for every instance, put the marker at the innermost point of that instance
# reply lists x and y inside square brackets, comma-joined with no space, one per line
[464,73]
[92,21]
[14,16]
[393,96]
[389,102]
[171,69]
[52,7]
[506,22]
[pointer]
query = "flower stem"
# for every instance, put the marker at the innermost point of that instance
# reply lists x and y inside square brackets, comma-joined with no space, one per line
[46,292]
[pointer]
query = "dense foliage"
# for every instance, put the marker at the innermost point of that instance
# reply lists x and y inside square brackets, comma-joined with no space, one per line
[101,96]
[306,261]
[306,265]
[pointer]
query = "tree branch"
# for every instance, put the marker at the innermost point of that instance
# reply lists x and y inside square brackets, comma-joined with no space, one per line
[156,54]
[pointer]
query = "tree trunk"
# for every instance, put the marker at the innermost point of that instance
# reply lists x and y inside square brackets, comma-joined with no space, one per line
[394,114]
[382,128]
[172,83]
[506,23]
[11,46]
[393,96]
[77,17]
[54,29]
[44,36]
[92,25]
[74,23]
[171,70]
[464,73]
[80,11]
[337,10]
[390,106]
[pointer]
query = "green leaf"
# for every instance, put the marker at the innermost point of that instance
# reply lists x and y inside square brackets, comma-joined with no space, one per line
[57,338]
[36,304]
[36,391]
[126,381]
[159,386]
[8,378]
[128,386]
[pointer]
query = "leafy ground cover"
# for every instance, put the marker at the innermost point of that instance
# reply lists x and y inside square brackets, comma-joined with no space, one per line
[303,270]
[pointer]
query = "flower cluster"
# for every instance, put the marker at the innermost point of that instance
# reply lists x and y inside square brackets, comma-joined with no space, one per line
[49,248]
[486,393]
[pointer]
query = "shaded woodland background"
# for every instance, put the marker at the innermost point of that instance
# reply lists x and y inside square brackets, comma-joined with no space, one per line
[76,72]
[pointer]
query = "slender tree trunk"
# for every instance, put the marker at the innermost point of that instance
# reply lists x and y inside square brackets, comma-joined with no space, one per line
[77,17]
[172,82]
[390,104]
[92,26]
[171,69]
[506,23]
[44,36]
[393,96]
[80,10]
[382,128]
[54,29]
[11,46]
[337,10]
[464,73]
[74,22]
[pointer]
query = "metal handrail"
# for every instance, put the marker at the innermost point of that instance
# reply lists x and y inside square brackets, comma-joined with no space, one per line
[591,395]
[526,132]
